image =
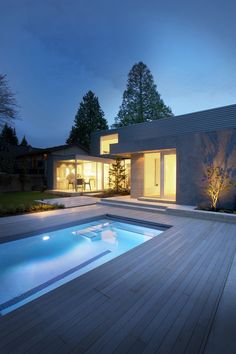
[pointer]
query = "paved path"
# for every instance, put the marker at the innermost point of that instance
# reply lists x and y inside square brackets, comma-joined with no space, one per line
[70,202]
[168,295]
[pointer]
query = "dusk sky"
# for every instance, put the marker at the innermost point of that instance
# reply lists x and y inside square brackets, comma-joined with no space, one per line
[54,51]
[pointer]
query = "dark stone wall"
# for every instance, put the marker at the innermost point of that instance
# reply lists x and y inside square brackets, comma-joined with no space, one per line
[194,153]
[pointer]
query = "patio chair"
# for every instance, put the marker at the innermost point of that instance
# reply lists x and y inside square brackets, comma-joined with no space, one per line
[80,183]
[71,180]
[87,183]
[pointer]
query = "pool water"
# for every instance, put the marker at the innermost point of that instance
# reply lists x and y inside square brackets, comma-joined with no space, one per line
[32,266]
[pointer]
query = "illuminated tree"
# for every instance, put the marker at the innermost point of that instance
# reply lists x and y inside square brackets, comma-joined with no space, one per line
[117,176]
[218,179]
[218,157]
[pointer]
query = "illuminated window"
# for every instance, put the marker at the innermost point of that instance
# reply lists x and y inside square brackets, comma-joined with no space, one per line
[106,141]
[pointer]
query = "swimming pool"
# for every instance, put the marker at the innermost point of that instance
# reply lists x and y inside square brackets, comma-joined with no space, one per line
[32,266]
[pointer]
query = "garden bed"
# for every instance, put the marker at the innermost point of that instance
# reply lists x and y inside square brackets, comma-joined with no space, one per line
[111,193]
[14,203]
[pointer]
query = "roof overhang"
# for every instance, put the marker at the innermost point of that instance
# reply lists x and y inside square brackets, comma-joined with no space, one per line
[93,158]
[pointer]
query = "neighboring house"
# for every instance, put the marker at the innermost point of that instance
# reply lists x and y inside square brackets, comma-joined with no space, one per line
[9,157]
[17,173]
[169,156]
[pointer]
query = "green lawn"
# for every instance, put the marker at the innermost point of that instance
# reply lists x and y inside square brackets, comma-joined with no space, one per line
[12,203]
[13,199]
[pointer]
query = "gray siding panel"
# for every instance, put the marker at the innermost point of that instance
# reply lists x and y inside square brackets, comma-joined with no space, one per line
[204,121]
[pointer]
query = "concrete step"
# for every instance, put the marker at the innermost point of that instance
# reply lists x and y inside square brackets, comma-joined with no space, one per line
[130,202]
[133,206]
[156,200]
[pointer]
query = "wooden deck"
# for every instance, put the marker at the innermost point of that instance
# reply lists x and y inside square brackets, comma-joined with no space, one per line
[162,296]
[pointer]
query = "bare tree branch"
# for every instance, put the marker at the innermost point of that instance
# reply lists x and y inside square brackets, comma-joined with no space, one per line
[8,105]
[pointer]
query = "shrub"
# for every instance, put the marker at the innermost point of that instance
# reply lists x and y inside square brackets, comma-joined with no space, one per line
[111,193]
[20,208]
[33,208]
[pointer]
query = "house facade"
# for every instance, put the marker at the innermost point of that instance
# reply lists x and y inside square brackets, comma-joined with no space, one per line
[169,156]
[165,159]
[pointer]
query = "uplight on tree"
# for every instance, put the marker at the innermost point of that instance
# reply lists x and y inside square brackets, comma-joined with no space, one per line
[218,180]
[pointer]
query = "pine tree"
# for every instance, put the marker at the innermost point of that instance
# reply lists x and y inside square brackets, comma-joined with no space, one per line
[8,136]
[117,176]
[24,142]
[141,100]
[89,118]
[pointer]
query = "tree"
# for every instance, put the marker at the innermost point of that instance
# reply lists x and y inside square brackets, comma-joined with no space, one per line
[8,136]
[218,162]
[24,142]
[117,176]
[141,100]
[89,118]
[218,180]
[7,101]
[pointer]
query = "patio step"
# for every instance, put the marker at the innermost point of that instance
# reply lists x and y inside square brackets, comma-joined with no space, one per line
[132,205]
[135,203]
[156,200]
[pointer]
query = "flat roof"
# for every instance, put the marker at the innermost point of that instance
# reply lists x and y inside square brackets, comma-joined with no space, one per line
[207,120]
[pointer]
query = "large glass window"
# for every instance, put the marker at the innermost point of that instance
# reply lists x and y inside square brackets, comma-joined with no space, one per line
[89,175]
[127,163]
[65,176]
[106,141]
[106,176]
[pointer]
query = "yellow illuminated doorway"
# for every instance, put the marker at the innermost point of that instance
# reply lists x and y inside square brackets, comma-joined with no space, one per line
[169,177]
[160,174]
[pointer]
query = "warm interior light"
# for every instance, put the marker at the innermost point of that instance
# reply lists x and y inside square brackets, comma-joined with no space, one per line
[170,175]
[160,174]
[106,141]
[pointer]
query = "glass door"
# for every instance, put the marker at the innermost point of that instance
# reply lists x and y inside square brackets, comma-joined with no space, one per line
[152,174]
[160,174]
[169,178]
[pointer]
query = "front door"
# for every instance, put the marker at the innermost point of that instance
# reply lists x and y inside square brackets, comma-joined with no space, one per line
[160,174]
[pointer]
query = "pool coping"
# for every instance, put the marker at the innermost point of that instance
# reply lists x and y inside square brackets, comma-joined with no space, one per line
[5,239]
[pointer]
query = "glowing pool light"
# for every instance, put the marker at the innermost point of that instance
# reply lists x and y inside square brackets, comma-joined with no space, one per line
[45,238]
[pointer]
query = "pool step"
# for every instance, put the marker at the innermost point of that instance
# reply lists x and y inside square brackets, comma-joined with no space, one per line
[133,205]
[90,235]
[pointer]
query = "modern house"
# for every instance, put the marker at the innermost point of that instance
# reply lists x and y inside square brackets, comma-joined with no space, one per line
[165,159]
[169,156]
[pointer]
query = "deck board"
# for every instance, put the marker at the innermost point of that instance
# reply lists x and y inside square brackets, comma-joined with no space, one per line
[160,297]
